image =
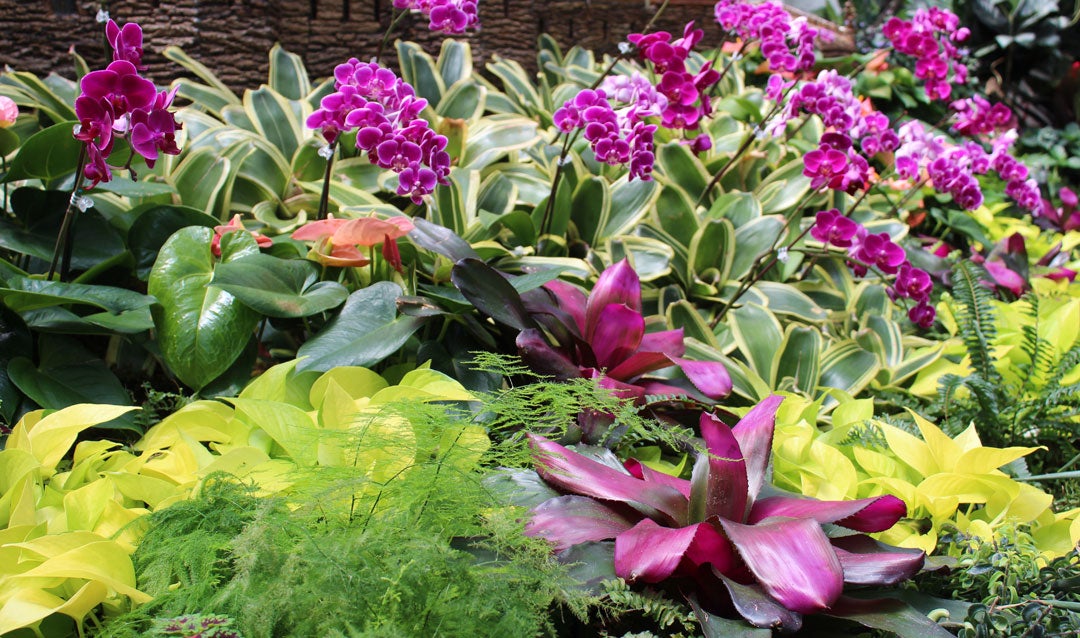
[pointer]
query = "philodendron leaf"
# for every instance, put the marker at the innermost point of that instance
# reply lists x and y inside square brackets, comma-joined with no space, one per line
[285,288]
[23,293]
[201,328]
[366,331]
[65,373]
[15,341]
[154,226]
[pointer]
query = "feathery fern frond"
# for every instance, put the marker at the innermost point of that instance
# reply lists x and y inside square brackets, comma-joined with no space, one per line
[975,317]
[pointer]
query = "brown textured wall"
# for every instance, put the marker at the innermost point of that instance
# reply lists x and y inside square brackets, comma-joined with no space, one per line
[232,37]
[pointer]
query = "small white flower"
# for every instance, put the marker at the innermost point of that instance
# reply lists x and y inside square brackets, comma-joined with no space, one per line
[82,202]
[782,255]
[326,152]
[625,48]
[102,16]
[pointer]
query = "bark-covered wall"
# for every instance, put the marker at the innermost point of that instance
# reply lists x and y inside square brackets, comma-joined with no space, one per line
[232,37]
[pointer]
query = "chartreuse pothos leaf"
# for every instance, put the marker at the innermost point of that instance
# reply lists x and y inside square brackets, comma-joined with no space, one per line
[50,437]
[201,328]
[275,287]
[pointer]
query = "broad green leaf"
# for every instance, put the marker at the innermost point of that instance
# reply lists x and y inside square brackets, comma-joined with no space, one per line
[22,294]
[683,314]
[752,240]
[759,336]
[30,92]
[285,288]
[15,342]
[800,358]
[463,101]
[590,208]
[201,177]
[712,246]
[783,188]
[418,69]
[213,101]
[630,201]
[519,89]
[652,258]
[58,384]
[498,195]
[366,331]
[681,167]
[201,328]
[455,61]
[176,54]
[495,136]
[288,76]
[738,207]
[48,155]
[275,120]
[154,225]
[847,366]
[674,214]
[135,190]
[887,614]
[785,299]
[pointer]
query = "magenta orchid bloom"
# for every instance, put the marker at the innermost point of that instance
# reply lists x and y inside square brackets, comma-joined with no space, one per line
[770,554]
[603,336]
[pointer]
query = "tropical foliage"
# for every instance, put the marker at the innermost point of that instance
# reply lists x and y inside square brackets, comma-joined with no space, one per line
[708,337]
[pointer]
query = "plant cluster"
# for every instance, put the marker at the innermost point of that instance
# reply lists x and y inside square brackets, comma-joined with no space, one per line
[763,322]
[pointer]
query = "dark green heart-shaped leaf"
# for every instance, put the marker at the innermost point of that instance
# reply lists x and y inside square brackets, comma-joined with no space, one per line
[154,226]
[15,342]
[284,288]
[201,328]
[366,331]
[68,374]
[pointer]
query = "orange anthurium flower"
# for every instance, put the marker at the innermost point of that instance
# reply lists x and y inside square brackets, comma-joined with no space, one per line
[372,231]
[235,224]
[316,230]
[329,254]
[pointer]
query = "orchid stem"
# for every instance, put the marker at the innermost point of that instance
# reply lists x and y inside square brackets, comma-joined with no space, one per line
[554,187]
[324,197]
[390,29]
[63,242]
[908,195]
[742,149]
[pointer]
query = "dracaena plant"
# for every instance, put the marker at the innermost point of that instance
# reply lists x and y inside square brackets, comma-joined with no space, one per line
[723,537]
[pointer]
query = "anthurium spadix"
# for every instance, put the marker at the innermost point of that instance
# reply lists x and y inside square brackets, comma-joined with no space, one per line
[770,554]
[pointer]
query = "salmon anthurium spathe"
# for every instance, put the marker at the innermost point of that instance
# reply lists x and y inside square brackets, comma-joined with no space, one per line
[716,529]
